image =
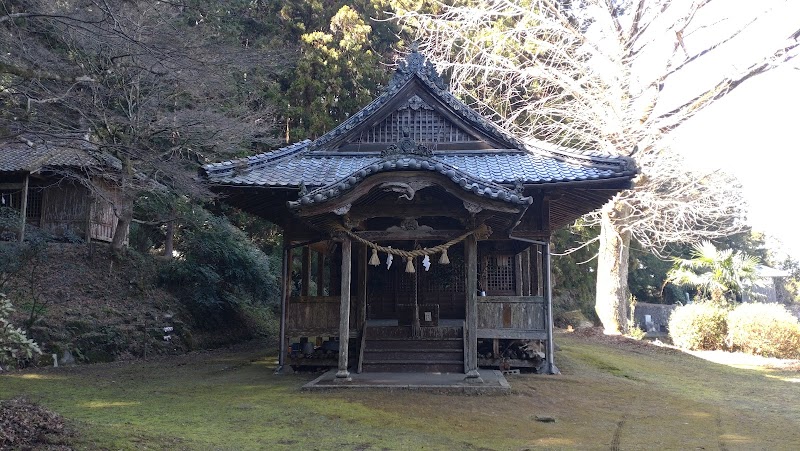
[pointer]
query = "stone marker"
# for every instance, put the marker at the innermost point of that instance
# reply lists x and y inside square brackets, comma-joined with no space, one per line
[67,359]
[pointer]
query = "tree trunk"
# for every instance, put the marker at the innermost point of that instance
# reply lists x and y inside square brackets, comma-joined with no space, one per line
[169,239]
[611,304]
[123,222]
[124,210]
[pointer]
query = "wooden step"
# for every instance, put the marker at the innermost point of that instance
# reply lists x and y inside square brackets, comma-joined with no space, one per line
[454,343]
[393,349]
[375,355]
[411,367]
[404,332]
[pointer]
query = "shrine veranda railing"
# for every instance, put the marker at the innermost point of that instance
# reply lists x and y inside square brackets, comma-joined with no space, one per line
[512,317]
[317,315]
[509,317]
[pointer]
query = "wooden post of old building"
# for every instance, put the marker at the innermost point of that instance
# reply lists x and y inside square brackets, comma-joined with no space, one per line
[320,274]
[344,312]
[362,301]
[471,323]
[548,292]
[306,271]
[526,272]
[362,285]
[23,211]
[286,271]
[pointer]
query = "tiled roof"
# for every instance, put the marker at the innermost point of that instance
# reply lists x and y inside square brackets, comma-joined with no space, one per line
[316,169]
[464,178]
[318,164]
[19,156]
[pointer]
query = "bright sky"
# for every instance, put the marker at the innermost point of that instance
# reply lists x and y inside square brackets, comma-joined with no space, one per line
[754,134]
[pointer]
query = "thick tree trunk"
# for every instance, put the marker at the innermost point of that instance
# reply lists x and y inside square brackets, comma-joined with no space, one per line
[169,239]
[611,304]
[118,241]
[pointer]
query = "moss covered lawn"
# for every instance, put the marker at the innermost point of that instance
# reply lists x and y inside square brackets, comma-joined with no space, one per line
[612,395]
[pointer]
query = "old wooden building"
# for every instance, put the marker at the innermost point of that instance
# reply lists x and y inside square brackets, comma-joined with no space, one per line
[63,187]
[417,233]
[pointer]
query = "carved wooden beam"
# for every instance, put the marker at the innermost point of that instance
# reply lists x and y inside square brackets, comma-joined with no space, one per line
[409,235]
[407,177]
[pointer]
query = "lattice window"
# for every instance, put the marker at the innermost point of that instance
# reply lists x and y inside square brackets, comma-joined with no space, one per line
[11,199]
[404,284]
[424,126]
[33,211]
[443,278]
[498,274]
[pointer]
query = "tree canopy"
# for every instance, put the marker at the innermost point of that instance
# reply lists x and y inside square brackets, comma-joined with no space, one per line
[609,77]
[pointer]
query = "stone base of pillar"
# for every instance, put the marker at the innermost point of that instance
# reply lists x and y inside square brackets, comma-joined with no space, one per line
[283,369]
[473,377]
[342,376]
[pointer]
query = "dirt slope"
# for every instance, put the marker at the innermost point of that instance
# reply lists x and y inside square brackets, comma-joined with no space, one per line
[97,307]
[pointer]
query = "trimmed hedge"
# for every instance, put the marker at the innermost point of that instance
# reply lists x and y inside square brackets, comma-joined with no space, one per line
[700,326]
[764,329]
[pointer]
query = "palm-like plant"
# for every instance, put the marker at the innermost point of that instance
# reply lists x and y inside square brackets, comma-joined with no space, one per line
[717,274]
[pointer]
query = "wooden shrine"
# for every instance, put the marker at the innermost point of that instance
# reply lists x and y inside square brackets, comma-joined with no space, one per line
[416,233]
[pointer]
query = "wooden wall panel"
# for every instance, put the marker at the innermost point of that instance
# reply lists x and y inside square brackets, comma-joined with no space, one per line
[515,314]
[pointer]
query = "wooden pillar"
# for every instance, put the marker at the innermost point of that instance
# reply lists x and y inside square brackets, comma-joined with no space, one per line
[362,302]
[286,272]
[471,323]
[344,311]
[548,292]
[362,285]
[306,281]
[320,274]
[526,272]
[536,268]
[23,211]
[518,279]
[89,212]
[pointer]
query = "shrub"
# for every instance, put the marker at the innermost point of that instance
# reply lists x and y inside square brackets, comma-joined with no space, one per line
[14,344]
[764,329]
[219,270]
[699,326]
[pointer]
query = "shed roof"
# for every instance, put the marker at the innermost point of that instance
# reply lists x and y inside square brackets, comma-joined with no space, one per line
[37,155]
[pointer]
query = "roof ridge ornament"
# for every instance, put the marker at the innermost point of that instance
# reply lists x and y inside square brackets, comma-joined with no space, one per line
[416,64]
[406,146]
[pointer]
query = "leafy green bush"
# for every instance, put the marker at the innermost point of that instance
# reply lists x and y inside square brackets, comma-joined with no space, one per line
[14,344]
[764,329]
[219,270]
[698,326]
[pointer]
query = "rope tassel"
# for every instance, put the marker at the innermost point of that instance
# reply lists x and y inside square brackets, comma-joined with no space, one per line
[374,260]
[444,259]
[410,265]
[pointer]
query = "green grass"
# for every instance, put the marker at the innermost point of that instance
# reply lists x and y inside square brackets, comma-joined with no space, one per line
[607,397]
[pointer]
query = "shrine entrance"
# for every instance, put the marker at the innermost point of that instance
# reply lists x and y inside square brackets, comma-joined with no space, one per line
[438,290]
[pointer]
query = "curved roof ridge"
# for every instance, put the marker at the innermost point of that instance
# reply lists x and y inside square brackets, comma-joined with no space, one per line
[256,161]
[625,163]
[411,162]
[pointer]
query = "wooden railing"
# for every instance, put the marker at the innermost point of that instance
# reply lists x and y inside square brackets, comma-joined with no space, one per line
[516,317]
[315,314]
